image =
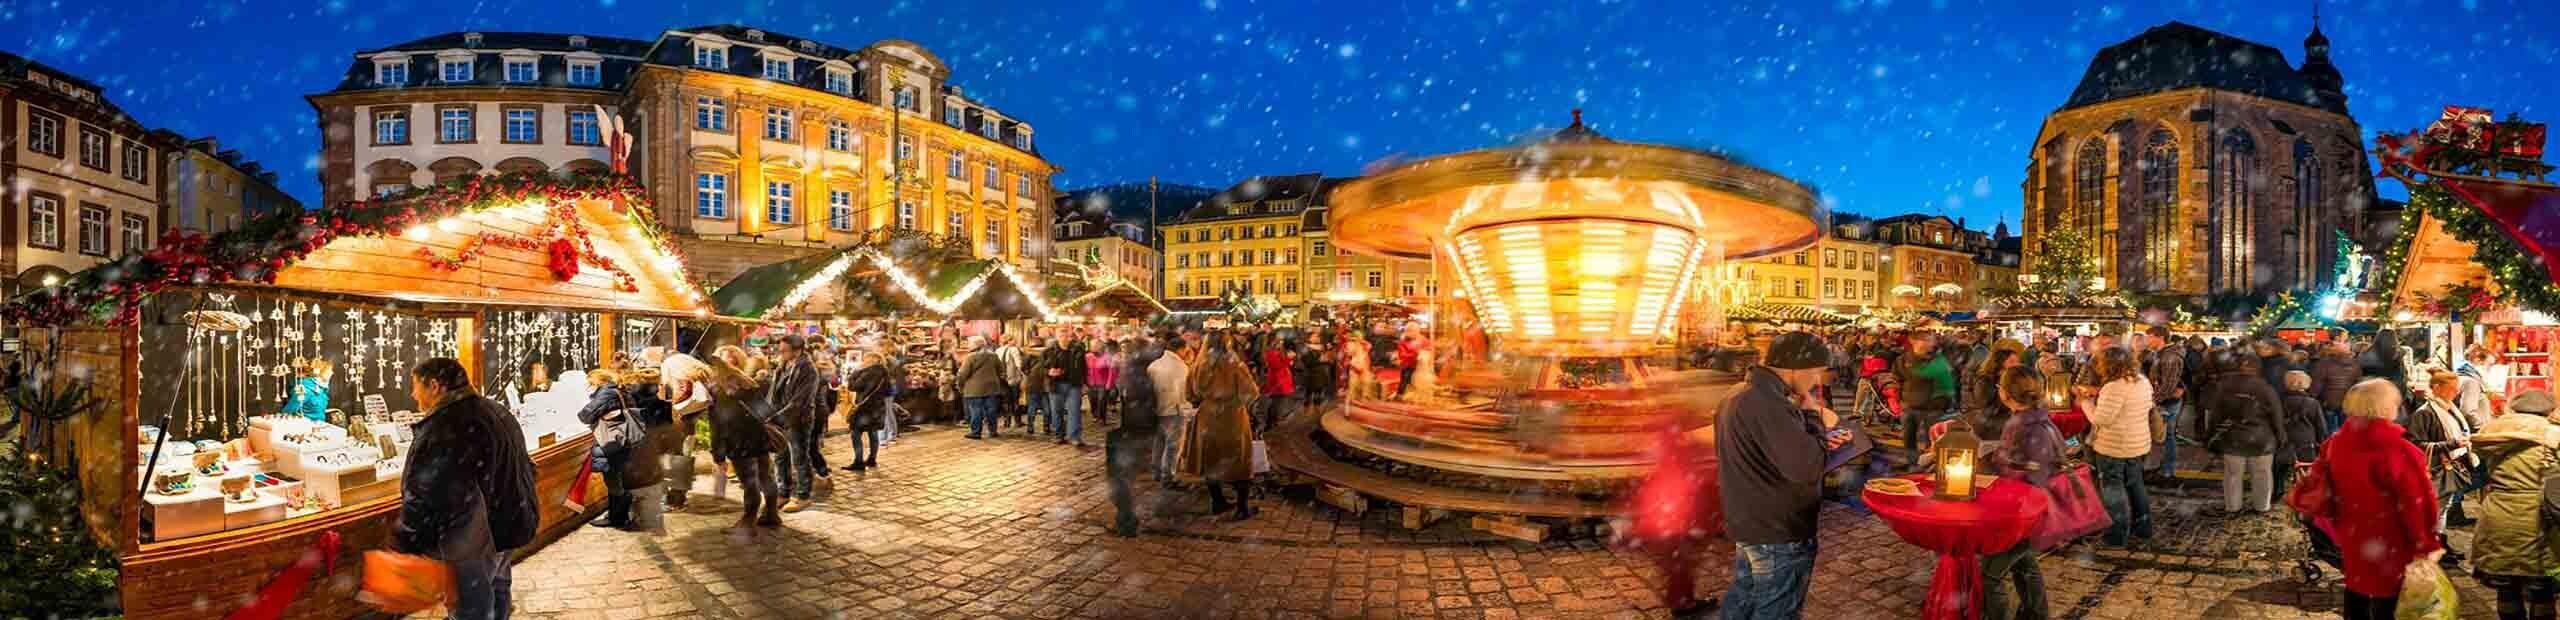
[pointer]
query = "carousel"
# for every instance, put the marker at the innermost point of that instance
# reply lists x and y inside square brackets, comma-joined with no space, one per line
[1574,255]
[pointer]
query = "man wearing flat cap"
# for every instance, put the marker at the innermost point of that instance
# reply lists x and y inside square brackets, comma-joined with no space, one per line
[1771,443]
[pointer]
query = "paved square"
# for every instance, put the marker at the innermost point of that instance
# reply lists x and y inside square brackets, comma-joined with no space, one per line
[1017,528]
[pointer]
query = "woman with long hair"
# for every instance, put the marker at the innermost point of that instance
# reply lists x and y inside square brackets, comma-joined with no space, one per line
[1221,446]
[742,440]
[866,401]
[2120,435]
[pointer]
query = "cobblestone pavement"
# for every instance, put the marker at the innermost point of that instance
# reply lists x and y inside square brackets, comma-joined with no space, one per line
[1016,528]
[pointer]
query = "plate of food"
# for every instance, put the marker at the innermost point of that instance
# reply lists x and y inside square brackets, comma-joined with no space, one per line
[1894,486]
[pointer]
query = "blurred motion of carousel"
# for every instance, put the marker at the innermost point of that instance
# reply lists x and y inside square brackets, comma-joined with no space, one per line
[1579,260]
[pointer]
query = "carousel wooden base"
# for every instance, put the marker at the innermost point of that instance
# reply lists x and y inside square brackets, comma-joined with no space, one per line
[1293,447]
[1480,459]
[209,575]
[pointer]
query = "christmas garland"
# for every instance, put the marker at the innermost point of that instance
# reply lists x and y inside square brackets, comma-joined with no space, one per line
[2406,156]
[263,246]
[565,243]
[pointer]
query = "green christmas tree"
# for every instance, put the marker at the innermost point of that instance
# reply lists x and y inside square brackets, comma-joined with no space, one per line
[2064,264]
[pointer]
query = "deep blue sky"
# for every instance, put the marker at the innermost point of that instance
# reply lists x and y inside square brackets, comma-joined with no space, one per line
[1887,107]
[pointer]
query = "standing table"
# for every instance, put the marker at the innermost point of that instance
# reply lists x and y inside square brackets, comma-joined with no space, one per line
[1960,532]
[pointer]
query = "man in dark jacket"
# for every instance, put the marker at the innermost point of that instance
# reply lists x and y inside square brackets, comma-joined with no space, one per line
[981,379]
[2168,374]
[1131,445]
[2244,422]
[1771,439]
[1064,363]
[2304,428]
[467,488]
[2331,375]
[798,395]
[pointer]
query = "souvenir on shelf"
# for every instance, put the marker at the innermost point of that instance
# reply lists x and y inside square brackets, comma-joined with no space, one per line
[238,491]
[169,482]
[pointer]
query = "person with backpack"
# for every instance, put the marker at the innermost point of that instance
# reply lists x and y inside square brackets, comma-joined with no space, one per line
[467,495]
[2246,427]
[1132,445]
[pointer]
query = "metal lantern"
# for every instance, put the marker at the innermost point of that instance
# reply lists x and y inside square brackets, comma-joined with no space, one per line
[1959,455]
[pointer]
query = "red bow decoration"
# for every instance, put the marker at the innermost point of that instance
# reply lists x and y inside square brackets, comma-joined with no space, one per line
[564,259]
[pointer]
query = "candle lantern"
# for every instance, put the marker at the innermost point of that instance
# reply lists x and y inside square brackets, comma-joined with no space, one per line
[1959,454]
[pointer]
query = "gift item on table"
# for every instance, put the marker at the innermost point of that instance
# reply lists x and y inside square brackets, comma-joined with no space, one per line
[196,510]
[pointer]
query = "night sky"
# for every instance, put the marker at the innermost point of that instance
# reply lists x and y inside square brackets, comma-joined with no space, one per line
[1886,107]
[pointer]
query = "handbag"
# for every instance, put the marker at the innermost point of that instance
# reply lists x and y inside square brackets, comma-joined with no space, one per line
[2311,495]
[2159,426]
[2076,509]
[618,431]
[1261,457]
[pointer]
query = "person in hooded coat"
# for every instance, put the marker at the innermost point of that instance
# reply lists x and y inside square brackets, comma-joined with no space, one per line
[2511,550]
[1221,446]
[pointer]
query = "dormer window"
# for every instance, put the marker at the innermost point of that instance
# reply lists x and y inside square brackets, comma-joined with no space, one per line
[710,56]
[578,41]
[951,115]
[454,70]
[391,72]
[987,127]
[586,72]
[840,82]
[471,39]
[1022,140]
[523,70]
[755,35]
[777,68]
[906,98]
[809,46]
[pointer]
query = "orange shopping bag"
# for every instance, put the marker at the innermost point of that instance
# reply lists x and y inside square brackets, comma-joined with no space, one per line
[401,583]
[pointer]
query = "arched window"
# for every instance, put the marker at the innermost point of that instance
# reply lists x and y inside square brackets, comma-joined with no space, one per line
[453,169]
[2310,202]
[2089,199]
[2235,218]
[2053,184]
[2160,208]
[522,165]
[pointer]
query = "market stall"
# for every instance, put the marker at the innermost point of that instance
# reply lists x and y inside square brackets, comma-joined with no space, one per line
[208,485]
[2478,241]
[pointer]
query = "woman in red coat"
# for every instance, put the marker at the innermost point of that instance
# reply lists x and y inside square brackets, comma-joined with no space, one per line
[2384,516]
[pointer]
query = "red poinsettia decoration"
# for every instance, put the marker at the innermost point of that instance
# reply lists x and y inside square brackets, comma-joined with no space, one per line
[564,258]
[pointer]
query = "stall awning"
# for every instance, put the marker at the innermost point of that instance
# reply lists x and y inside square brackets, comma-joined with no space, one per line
[1117,299]
[773,289]
[1783,313]
[585,243]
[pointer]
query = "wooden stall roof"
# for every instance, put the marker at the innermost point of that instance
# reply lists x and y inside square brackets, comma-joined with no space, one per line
[2436,259]
[406,266]
[1119,299]
[818,286]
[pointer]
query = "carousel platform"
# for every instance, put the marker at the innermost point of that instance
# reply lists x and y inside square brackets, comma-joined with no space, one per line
[1513,499]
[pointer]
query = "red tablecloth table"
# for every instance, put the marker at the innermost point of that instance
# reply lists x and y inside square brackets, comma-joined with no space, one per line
[1960,532]
[2071,423]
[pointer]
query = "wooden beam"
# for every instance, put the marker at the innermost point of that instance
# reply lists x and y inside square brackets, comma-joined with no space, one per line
[1417,517]
[1512,527]
[1344,498]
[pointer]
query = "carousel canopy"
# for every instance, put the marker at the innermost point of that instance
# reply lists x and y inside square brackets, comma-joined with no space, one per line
[586,243]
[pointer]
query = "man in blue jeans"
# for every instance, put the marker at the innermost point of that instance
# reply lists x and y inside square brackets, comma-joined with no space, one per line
[1065,368]
[981,378]
[1772,437]
[2168,374]
[2120,488]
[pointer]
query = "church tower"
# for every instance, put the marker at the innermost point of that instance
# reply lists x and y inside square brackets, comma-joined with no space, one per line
[2328,87]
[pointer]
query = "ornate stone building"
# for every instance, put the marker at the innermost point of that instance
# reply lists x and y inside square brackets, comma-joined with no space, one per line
[449,106]
[2195,162]
[760,146]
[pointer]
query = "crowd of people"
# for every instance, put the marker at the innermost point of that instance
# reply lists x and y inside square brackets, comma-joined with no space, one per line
[2392,446]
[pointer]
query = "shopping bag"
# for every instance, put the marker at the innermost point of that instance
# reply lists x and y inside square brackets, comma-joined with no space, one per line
[2075,509]
[2310,494]
[1261,457]
[679,473]
[401,583]
[2425,593]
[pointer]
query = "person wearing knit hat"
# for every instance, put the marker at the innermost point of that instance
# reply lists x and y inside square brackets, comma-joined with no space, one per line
[1772,442]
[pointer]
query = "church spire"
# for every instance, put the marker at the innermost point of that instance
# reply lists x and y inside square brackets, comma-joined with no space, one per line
[2328,86]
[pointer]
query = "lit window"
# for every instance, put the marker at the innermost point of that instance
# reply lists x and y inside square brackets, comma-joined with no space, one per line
[839,136]
[957,166]
[453,125]
[93,148]
[906,148]
[523,125]
[522,71]
[777,202]
[1289,256]
[454,71]
[391,73]
[93,230]
[777,69]
[1267,256]
[840,82]
[583,128]
[44,222]
[137,162]
[1320,249]
[137,233]
[994,245]
[1022,235]
[840,210]
[585,73]
[711,57]
[391,127]
[711,195]
[993,179]
[906,216]
[1182,261]
[956,224]
[777,124]
[44,134]
[710,113]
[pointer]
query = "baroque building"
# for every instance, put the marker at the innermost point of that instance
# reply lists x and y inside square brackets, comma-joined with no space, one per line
[83,179]
[445,107]
[760,146]
[2194,162]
